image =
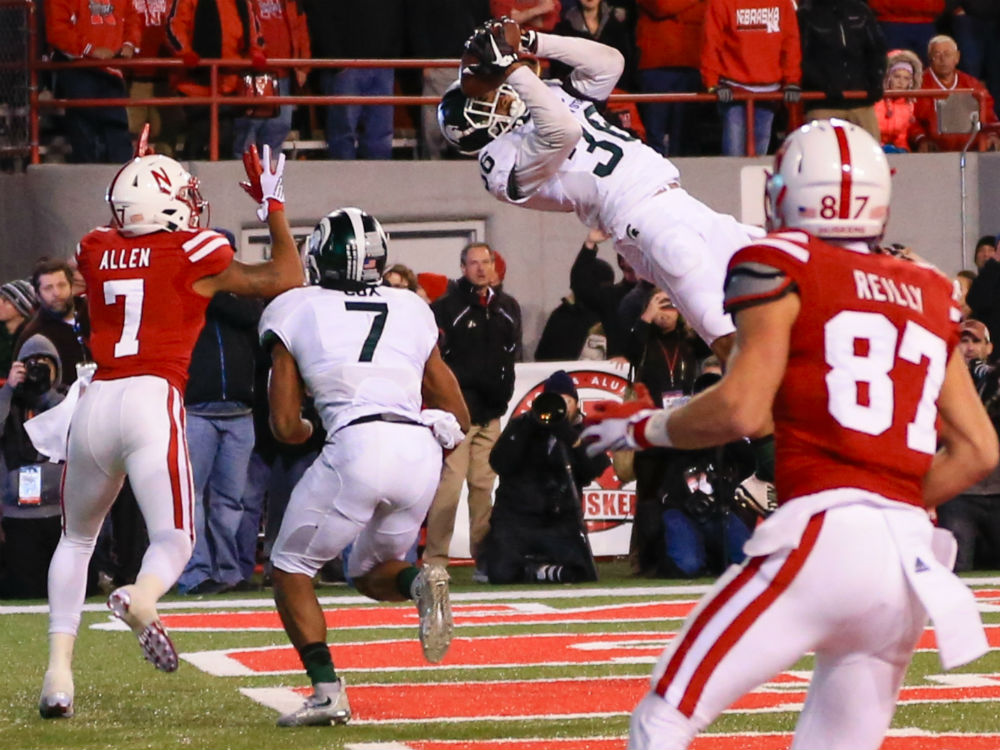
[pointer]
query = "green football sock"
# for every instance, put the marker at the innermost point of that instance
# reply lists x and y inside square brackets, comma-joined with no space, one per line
[405,578]
[763,451]
[318,663]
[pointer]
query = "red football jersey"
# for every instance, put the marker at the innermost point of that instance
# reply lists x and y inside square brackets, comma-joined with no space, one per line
[857,406]
[144,315]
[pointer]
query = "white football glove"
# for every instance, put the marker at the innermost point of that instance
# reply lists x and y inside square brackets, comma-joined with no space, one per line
[445,427]
[264,180]
[614,434]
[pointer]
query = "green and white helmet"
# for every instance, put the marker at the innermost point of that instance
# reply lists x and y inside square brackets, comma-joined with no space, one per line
[470,123]
[347,250]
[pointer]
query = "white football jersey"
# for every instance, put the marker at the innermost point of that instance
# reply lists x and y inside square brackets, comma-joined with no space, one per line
[608,173]
[358,353]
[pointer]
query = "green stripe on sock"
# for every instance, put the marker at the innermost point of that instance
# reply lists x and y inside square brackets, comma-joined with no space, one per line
[318,662]
[405,579]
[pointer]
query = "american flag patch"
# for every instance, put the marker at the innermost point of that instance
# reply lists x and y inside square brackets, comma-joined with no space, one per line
[809,213]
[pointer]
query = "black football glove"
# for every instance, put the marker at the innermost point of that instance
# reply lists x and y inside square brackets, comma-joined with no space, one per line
[529,41]
[490,46]
[724,92]
[792,92]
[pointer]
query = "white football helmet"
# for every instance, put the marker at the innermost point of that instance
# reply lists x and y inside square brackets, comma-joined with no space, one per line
[469,123]
[831,179]
[153,193]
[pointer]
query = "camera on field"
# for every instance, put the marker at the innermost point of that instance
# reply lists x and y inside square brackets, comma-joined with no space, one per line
[548,409]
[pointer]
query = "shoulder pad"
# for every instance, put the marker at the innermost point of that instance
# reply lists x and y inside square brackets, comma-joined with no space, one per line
[750,283]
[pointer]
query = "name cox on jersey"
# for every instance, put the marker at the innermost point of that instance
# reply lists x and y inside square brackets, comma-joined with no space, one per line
[136,257]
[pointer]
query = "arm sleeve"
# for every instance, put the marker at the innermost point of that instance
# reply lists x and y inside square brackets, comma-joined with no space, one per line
[6,394]
[555,135]
[60,29]
[299,31]
[133,26]
[509,453]
[582,278]
[751,283]
[712,44]
[791,50]
[982,294]
[596,67]
[179,25]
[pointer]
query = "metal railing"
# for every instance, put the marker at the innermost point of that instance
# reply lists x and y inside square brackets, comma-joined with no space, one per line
[215,99]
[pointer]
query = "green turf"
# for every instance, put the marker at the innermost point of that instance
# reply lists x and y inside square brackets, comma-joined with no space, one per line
[122,702]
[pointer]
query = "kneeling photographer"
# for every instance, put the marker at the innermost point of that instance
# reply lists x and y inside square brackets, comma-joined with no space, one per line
[31,516]
[707,515]
[974,516]
[536,528]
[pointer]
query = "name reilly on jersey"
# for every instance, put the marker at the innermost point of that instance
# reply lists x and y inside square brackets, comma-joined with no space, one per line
[881,289]
[136,257]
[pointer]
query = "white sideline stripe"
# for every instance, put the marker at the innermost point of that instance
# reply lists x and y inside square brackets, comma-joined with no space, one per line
[572,741]
[220,663]
[531,593]
[285,699]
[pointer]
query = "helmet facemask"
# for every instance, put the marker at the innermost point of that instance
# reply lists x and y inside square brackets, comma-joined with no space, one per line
[471,123]
[496,112]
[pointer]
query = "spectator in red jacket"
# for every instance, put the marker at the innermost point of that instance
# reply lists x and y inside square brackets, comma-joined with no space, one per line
[165,123]
[907,24]
[895,111]
[212,29]
[668,34]
[79,29]
[750,46]
[283,27]
[943,73]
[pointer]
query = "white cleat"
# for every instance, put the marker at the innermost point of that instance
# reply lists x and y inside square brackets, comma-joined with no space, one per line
[430,592]
[156,644]
[326,706]
[56,701]
[56,706]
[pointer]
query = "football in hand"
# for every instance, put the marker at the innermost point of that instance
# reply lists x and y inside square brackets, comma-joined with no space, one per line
[477,78]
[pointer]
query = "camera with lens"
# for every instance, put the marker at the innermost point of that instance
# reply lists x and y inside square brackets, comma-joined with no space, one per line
[700,502]
[548,409]
[37,377]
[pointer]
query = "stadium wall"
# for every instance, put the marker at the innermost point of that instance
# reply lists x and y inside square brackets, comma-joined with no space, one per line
[48,208]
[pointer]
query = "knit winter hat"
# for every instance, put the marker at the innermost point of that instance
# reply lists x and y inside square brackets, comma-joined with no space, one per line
[561,382]
[41,346]
[21,294]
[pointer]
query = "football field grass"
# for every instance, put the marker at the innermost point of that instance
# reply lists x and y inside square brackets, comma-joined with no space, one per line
[546,667]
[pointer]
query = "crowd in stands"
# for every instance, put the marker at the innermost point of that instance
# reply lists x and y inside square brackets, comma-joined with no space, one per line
[693,509]
[725,47]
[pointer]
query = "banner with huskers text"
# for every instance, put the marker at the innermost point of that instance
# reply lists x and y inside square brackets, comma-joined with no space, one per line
[607,504]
